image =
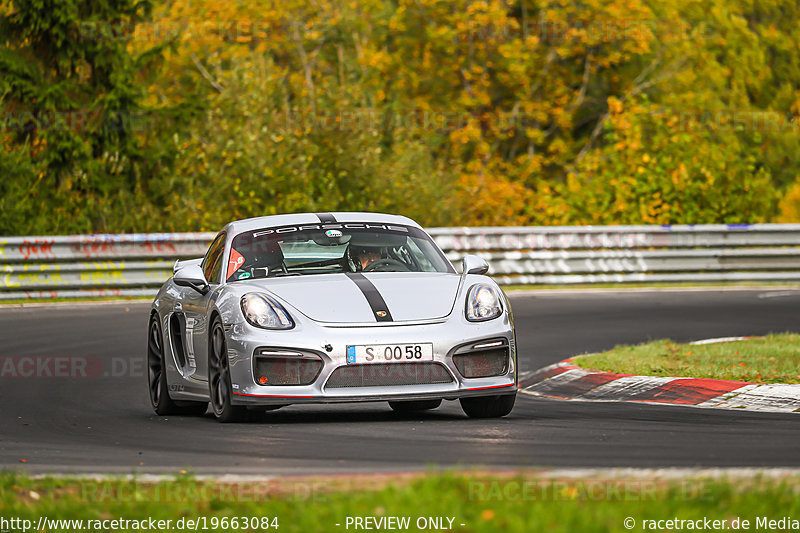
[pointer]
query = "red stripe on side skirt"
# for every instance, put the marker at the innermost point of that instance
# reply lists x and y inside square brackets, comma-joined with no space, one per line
[493,387]
[268,395]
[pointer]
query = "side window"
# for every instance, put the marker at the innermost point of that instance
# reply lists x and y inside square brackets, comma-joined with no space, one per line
[424,264]
[213,260]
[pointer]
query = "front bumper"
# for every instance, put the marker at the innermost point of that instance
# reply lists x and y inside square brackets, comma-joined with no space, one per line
[329,342]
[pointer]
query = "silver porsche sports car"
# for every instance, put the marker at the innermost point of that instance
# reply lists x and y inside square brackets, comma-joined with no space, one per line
[329,307]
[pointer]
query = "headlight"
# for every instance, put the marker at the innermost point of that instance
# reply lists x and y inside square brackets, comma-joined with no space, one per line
[264,312]
[483,303]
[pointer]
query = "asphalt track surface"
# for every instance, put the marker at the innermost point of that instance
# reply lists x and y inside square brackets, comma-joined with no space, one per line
[105,424]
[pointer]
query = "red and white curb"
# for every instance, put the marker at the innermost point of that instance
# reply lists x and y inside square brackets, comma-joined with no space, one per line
[566,381]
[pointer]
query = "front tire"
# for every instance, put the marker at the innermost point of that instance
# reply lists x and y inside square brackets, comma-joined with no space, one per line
[414,406]
[158,387]
[219,377]
[488,406]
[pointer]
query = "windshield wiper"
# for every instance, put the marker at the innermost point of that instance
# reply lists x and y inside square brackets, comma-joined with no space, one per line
[326,262]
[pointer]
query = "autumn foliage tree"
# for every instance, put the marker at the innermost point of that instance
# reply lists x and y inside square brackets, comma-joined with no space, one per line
[468,112]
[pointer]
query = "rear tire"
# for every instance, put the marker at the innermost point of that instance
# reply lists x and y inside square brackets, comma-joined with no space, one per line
[414,406]
[488,406]
[158,387]
[219,377]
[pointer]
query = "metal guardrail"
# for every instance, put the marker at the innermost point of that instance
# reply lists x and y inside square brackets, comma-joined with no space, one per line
[93,266]
[137,264]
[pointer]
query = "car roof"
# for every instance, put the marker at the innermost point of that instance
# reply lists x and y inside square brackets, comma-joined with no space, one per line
[250,224]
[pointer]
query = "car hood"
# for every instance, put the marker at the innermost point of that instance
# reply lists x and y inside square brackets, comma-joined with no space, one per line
[336,298]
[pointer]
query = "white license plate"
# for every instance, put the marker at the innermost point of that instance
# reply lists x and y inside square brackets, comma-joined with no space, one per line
[389,353]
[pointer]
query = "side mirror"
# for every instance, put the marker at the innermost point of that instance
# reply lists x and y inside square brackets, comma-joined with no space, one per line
[191,276]
[183,264]
[472,264]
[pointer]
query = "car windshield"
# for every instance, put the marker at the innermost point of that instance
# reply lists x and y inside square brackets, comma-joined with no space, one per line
[331,248]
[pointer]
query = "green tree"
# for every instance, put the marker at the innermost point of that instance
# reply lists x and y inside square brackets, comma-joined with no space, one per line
[666,169]
[72,98]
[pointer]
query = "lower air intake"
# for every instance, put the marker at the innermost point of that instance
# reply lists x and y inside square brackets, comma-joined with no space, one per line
[387,375]
[273,369]
[482,364]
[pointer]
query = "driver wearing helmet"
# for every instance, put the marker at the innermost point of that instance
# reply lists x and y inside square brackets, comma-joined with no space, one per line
[366,255]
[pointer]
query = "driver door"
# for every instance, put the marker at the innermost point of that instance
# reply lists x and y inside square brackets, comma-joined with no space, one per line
[196,311]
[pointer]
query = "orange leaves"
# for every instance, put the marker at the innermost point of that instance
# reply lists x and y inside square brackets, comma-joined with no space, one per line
[790,203]
[614,105]
[491,198]
[539,116]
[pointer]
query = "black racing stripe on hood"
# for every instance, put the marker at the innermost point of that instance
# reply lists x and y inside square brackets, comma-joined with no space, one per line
[326,218]
[379,308]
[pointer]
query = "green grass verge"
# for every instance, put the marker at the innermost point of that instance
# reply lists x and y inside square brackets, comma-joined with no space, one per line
[521,502]
[771,359]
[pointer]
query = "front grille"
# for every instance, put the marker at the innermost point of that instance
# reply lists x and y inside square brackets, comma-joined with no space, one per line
[273,369]
[482,364]
[388,374]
